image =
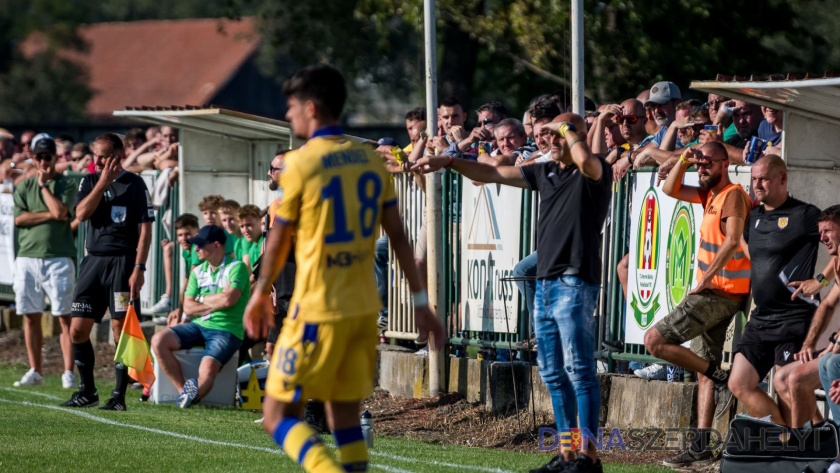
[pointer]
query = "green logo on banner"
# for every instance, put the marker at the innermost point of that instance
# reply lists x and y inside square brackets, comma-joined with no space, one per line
[679,260]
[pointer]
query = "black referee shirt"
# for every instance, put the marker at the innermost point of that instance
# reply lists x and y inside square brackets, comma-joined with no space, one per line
[112,229]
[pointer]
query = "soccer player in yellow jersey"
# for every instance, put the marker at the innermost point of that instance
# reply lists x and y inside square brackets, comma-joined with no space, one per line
[335,194]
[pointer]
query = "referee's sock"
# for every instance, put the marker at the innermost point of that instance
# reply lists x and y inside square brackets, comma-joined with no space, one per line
[303,444]
[352,451]
[121,372]
[85,358]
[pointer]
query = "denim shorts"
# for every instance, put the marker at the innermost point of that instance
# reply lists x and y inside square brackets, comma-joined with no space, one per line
[218,344]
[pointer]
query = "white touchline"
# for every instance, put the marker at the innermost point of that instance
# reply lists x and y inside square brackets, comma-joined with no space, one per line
[275,451]
[36,393]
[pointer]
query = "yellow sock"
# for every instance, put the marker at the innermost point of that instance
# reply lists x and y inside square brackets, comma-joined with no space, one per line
[304,445]
[352,451]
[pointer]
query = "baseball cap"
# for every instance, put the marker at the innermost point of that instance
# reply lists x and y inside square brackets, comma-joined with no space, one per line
[43,143]
[663,92]
[208,234]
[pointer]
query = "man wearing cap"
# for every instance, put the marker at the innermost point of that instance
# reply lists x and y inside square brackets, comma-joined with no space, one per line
[214,303]
[44,264]
[117,209]
[664,97]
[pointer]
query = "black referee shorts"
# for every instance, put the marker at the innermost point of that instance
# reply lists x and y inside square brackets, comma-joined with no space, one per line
[765,345]
[103,285]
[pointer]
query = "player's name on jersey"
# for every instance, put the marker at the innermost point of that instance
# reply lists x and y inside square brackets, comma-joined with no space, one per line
[341,158]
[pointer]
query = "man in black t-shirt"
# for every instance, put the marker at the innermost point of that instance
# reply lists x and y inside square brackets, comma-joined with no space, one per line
[574,192]
[119,214]
[781,239]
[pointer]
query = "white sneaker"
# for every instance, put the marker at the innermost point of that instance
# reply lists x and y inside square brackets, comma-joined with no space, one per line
[654,371]
[423,351]
[833,468]
[259,421]
[162,306]
[69,380]
[31,378]
[159,320]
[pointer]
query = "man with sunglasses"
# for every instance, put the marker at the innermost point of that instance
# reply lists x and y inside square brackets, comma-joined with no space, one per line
[632,125]
[118,212]
[214,304]
[723,283]
[44,263]
[489,115]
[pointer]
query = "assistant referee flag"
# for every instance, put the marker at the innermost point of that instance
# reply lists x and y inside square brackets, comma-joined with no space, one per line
[133,351]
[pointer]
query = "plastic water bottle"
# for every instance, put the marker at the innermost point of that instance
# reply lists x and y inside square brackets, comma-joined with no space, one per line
[367,428]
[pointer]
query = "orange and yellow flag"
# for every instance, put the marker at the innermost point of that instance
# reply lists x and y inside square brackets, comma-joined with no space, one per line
[133,351]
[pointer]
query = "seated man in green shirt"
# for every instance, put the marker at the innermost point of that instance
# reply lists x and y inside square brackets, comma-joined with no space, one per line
[214,304]
[250,224]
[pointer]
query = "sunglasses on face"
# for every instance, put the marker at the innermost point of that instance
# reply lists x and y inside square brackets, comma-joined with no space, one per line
[43,157]
[708,164]
[272,169]
[628,119]
[692,128]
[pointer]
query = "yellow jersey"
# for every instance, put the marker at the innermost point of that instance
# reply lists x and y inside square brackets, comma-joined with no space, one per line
[334,191]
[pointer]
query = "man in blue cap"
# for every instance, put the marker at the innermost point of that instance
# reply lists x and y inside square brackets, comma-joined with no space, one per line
[214,303]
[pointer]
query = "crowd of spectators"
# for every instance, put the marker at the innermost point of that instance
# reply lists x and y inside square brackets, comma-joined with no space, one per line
[657,128]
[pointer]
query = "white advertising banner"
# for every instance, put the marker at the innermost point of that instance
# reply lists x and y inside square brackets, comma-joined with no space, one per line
[664,239]
[490,237]
[7,238]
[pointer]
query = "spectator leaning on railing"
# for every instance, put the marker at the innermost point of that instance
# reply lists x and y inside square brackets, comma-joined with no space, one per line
[44,263]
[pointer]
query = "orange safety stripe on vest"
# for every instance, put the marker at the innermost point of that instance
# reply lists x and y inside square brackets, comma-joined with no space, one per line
[734,278]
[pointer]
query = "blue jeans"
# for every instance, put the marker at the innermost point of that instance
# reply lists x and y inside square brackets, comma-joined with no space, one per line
[565,328]
[527,268]
[380,268]
[829,371]
[218,344]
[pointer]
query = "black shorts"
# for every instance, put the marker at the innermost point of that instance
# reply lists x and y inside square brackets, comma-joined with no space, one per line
[766,344]
[279,314]
[103,284]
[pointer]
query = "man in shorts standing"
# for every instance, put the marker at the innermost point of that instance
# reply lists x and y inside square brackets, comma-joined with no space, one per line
[335,194]
[118,211]
[44,263]
[723,282]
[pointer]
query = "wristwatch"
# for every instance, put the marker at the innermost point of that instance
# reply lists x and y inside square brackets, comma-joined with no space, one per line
[44,185]
[821,279]
[141,267]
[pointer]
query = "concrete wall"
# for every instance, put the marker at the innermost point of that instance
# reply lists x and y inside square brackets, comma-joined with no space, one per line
[626,401]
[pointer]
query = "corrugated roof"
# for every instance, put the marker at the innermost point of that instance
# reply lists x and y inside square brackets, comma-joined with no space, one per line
[811,95]
[159,62]
[215,120]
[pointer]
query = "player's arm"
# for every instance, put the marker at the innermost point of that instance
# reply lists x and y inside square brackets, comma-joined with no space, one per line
[818,324]
[508,175]
[222,300]
[259,315]
[88,204]
[811,286]
[424,319]
[135,282]
[734,227]
[673,183]
[58,210]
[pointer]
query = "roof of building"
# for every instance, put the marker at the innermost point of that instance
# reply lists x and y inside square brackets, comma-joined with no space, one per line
[812,95]
[160,61]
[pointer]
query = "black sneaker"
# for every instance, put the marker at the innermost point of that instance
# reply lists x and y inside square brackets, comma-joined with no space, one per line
[80,399]
[584,464]
[556,464]
[114,404]
[723,400]
[689,458]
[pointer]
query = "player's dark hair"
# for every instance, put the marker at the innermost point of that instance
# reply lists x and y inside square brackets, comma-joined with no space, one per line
[450,101]
[186,221]
[496,107]
[544,108]
[113,140]
[830,214]
[418,114]
[324,85]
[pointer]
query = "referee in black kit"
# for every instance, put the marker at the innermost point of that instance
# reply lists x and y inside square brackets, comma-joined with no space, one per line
[119,214]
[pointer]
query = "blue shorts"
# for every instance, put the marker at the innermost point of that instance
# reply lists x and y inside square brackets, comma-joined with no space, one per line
[218,344]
